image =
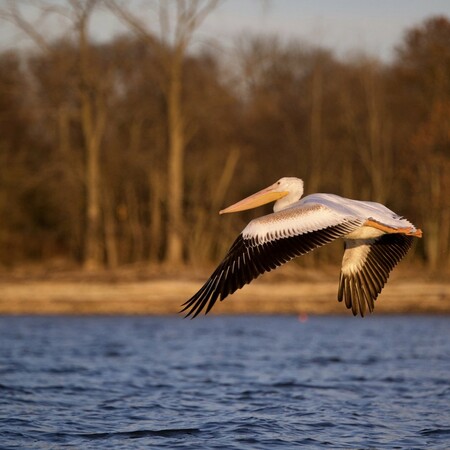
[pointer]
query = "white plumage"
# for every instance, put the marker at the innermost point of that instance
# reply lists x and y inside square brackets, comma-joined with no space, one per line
[375,238]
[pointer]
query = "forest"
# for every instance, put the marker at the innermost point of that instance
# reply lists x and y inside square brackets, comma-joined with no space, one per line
[123,152]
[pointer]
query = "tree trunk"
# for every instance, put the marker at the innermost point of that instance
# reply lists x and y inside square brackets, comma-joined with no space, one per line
[109,225]
[92,255]
[93,124]
[174,249]
[156,228]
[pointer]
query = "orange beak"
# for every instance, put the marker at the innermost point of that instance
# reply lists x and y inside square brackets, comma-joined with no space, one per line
[262,197]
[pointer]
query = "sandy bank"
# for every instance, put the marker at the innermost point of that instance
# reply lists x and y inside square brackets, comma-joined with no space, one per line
[166,296]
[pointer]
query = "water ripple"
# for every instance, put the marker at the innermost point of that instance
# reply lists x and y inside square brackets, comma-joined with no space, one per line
[224,382]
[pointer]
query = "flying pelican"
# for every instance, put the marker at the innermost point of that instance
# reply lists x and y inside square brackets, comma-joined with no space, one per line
[375,240]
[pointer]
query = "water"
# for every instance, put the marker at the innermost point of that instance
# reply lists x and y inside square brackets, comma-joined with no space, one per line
[224,382]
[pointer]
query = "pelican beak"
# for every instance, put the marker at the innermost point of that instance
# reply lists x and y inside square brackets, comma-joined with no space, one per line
[262,197]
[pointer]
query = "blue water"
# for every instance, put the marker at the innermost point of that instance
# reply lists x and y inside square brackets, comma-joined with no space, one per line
[224,382]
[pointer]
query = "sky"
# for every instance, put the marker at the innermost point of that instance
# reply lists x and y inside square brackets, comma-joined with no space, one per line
[344,26]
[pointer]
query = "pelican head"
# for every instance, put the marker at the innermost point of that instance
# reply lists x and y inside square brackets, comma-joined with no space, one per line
[284,192]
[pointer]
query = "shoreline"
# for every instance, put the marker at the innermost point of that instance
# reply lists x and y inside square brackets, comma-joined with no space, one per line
[165,296]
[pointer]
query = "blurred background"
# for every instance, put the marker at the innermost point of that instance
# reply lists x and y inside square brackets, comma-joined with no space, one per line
[126,125]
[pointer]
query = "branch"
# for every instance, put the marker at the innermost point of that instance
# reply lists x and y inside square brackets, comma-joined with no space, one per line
[189,18]
[137,25]
[189,15]
[12,14]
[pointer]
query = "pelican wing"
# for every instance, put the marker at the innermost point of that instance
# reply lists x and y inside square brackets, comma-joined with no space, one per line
[366,265]
[269,242]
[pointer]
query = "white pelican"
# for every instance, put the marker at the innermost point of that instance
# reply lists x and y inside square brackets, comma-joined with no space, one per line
[375,239]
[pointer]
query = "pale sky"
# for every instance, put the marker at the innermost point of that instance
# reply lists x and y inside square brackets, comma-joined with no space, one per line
[345,26]
[374,26]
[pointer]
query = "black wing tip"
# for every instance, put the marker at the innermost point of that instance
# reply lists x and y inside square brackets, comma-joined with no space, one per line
[186,311]
[194,311]
[229,276]
[189,314]
[205,297]
[360,293]
[357,310]
[356,295]
[193,307]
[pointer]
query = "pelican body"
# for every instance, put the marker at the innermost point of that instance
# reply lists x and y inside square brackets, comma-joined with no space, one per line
[375,240]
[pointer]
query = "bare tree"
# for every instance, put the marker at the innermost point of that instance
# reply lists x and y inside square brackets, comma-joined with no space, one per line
[12,12]
[366,119]
[316,126]
[92,109]
[93,121]
[423,72]
[92,136]
[178,20]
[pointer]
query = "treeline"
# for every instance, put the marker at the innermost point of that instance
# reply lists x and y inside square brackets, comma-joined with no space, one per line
[124,152]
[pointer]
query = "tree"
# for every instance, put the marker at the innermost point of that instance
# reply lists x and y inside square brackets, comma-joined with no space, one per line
[91,108]
[92,134]
[178,21]
[93,113]
[367,122]
[422,75]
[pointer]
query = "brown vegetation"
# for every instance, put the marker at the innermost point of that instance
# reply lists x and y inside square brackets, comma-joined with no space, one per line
[123,152]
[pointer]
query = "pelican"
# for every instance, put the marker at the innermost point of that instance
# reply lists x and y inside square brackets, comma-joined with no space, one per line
[375,240]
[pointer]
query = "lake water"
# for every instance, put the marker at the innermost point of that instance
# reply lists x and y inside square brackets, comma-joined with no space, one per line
[253,382]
